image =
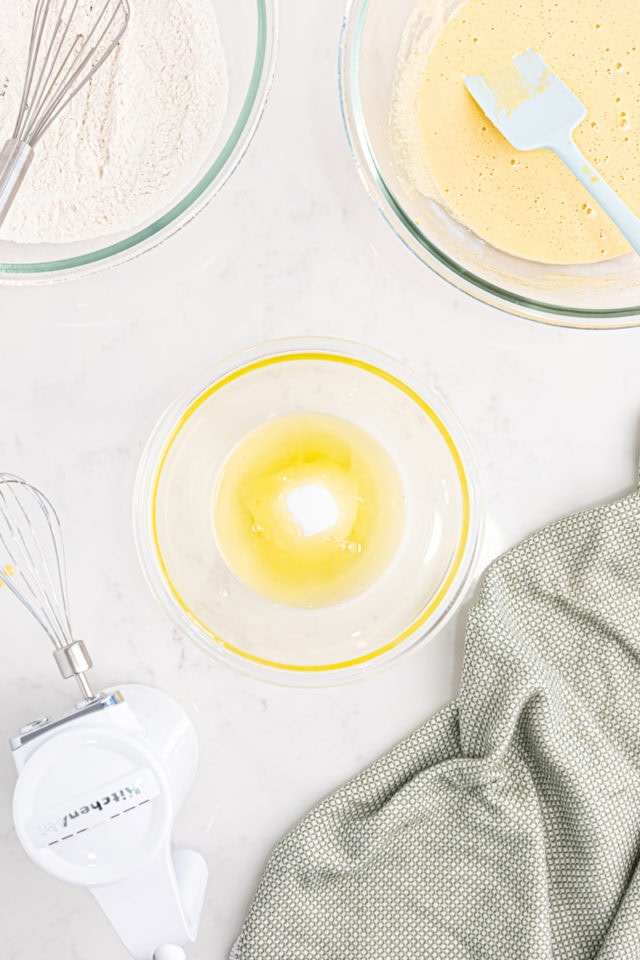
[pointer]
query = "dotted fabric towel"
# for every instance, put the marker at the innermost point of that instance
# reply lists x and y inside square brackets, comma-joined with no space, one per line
[508,826]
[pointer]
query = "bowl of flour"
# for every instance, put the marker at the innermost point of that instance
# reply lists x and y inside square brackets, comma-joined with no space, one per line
[146,145]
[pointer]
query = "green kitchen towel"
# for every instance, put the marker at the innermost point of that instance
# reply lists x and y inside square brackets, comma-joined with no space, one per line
[508,826]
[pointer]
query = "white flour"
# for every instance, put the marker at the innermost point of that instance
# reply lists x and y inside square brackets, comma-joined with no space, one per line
[134,138]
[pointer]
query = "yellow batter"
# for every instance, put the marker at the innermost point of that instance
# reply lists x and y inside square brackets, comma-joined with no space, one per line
[309,510]
[529,204]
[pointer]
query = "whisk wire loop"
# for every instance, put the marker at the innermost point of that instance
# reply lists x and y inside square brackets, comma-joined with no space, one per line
[62,61]
[33,566]
[13,578]
[34,49]
[33,100]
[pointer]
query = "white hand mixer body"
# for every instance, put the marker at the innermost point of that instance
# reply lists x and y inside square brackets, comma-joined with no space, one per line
[94,805]
[99,788]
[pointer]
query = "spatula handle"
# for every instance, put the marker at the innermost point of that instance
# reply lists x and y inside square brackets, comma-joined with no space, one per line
[618,211]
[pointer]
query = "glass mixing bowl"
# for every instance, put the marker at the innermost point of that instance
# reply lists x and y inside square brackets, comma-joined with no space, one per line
[591,295]
[248,29]
[410,599]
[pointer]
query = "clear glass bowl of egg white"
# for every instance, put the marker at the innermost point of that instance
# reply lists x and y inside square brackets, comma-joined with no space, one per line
[513,230]
[146,146]
[308,512]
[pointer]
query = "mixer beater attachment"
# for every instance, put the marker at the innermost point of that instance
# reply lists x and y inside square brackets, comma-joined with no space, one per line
[32,566]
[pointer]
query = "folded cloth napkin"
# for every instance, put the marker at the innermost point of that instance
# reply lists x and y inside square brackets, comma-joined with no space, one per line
[508,826]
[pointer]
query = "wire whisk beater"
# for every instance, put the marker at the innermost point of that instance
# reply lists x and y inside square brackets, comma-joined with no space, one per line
[32,567]
[70,41]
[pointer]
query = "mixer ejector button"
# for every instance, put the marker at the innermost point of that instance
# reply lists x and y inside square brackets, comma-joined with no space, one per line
[34,725]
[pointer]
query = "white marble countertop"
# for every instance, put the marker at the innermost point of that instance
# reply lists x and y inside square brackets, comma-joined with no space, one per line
[292,245]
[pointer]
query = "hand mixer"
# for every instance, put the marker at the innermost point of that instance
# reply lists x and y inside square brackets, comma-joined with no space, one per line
[98,788]
[70,41]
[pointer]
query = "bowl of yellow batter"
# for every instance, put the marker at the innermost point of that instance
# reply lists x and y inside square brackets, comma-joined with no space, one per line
[513,229]
[308,512]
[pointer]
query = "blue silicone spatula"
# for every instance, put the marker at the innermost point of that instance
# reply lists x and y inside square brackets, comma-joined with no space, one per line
[533,109]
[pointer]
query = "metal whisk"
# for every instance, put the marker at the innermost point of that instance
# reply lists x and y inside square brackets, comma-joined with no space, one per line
[70,41]
[32,567]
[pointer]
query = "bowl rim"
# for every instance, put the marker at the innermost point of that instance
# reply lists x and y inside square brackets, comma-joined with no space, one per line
[435,614]
[406,230]
[193,202]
